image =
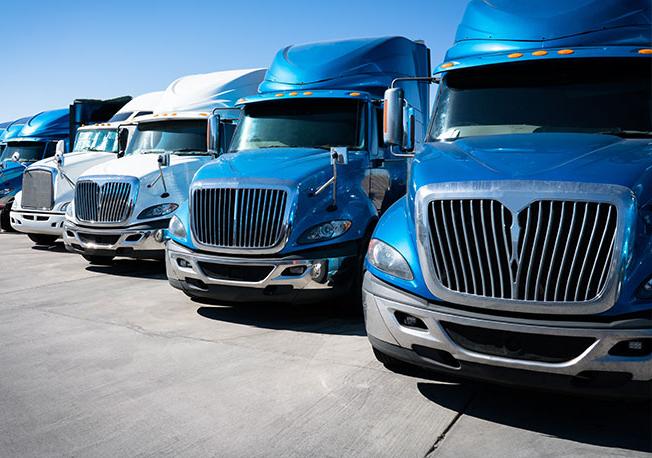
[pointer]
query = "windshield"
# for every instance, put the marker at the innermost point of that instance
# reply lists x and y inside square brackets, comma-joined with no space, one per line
[29,151]
[104,140]
[178,137]
[575,95]
[301,123]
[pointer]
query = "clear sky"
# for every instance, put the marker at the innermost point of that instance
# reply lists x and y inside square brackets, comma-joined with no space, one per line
[55,51]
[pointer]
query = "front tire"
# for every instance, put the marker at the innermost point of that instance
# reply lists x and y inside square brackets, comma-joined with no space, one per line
[5,221]
[98,260]
[43,239]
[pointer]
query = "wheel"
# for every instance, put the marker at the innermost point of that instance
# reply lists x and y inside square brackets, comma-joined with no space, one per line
[5,222]
[42,239]
[98,260]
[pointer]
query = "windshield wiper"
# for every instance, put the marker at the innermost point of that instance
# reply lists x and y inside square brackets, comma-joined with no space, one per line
[152,151]
[628,133]
[195,151]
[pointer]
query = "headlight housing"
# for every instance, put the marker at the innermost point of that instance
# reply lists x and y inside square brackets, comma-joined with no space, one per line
[158,210]
[69,211]
[325,231]
[387,259]
[5,191]
[177,228]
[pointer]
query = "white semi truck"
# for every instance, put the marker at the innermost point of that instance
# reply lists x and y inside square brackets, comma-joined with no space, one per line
[120,205]
[48,185]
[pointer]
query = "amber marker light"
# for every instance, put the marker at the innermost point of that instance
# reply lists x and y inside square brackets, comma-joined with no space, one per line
[280,94]
[540,53]
[515,55]
[447,65]
[307,93]
[645,51]
[565,52]
[354,94]
[293,93]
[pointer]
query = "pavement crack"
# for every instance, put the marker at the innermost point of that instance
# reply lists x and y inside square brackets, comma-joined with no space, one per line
[440,439]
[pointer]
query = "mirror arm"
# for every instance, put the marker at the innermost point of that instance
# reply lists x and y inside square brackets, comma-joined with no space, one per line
[428,79]
[391,150]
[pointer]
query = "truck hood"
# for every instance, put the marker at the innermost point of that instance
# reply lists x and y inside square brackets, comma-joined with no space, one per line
[142,165]
[590,158]
[271,166]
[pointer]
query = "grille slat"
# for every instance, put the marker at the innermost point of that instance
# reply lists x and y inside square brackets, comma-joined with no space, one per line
[239,217]
[38,192]
[563,252]
[108,202]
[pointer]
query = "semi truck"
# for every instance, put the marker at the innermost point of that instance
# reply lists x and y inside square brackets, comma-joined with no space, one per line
[521,251]
[286,213]
[48,185]
[37,140]
[120,205]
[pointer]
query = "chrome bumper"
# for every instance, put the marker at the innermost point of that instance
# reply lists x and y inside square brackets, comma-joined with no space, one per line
[381,302]
[129,241]
[309,274]
[50,223]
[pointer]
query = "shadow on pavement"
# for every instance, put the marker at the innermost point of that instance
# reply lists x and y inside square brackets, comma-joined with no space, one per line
[132,268]
[599,422]
[314,318]
[57,247]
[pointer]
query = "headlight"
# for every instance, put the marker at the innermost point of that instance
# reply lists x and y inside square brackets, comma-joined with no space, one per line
[177,228]
[157,210]
[325,231]
[387,259]
[64,207]
[69,211]
[5,191]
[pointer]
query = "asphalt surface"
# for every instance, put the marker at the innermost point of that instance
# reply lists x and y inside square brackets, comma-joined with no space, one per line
[111,361]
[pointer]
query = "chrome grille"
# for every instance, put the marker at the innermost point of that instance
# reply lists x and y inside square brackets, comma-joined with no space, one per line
[37,190]
[108,202]
[238,217]
[551,251]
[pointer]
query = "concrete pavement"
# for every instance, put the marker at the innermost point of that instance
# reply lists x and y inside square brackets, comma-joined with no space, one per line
[106,361]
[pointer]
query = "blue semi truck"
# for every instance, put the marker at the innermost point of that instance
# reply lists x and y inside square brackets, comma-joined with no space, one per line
[521,252]
[286,213]
[31,139]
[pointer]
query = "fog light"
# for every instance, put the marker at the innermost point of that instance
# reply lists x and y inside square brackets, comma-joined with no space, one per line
[319,271]
[295,270]
[183,263]
[159,235]
[634,347]
[409,321]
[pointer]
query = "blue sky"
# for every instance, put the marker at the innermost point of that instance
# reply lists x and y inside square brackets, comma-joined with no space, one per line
[54,52]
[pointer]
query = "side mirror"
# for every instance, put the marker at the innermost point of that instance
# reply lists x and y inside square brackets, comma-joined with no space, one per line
[213,135]
[393,117]
[59,152]
[123,139]
[15,157]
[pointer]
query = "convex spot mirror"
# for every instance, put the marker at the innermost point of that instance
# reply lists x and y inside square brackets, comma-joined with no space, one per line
[339,155]
[15,157]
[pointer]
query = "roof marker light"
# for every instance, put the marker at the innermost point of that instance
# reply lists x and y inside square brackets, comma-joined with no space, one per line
[203,114]
[307,93]
[645,51]
[280,94]
[515,55]
[293,93]
[565,52]
[447,65]
[354,94]
[540,53]
[241,100]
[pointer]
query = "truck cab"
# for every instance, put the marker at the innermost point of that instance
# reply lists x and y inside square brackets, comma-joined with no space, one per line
[521,252]
[286,213]
[38,138]
[48,185]
[121,205]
